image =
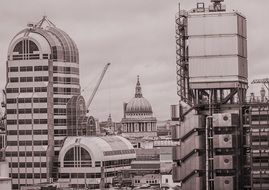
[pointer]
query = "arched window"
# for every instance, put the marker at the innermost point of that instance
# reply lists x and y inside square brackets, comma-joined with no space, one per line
[18,48]
[77,157]
[32,47]
[25,49]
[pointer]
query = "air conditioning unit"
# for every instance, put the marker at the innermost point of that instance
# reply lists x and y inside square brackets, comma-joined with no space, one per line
[223,141]
[224,183]
[225,120]
[223,162]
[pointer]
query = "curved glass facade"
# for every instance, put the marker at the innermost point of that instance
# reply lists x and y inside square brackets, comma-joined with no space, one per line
[63,48]
[77,157]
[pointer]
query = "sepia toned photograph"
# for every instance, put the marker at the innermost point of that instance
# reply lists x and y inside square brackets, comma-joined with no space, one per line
[134,94]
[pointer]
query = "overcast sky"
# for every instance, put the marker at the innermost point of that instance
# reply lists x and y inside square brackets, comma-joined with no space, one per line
[136,36]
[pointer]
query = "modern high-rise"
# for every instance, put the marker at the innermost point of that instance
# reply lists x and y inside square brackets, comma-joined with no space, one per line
[212,73]
[42,75]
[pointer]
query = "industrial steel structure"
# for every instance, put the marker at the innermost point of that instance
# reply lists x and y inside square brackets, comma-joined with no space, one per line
[212,82]
[224,137]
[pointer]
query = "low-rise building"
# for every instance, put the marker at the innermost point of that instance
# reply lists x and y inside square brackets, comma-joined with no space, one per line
[93,162]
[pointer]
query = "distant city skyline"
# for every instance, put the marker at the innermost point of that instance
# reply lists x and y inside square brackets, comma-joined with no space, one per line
[137,37]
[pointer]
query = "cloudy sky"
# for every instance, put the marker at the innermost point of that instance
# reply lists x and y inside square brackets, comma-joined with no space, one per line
[136,36]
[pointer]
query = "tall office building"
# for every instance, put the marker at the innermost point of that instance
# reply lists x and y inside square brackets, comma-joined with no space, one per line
[42,75]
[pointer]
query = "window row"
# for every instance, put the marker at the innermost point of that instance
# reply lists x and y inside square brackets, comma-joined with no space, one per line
[26,143]
[60,132]
[117,163]
[60,101]
[25,56]
[27,153]
[65,80]
[28,164]
[57,143]
[59,111]
[27,111]
[28,175]
[80,175]
[28,68]
[59,122]
[67,91]
[26,90]
[65,70]
[26,100]
[87,175]
[27,121]
[118,152]
[27,132]
[28,79]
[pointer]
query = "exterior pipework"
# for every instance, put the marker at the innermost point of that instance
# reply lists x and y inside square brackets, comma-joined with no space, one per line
[207,149]
[182,59]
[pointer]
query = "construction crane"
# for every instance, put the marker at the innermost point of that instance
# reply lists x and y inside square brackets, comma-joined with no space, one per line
[264,81]
[97,86]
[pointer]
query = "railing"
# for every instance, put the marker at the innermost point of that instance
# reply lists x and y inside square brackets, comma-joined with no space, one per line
[248,100]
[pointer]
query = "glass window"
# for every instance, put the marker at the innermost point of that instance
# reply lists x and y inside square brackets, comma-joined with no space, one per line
[11,101]
[32,47]
[14,79]
[13,69]
[18,48]
[77,157]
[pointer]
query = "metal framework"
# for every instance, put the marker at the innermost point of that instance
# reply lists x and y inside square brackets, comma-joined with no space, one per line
[207,100]
[182,57]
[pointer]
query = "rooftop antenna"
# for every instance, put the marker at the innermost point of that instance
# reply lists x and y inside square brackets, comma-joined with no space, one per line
[217,4]
[43,20]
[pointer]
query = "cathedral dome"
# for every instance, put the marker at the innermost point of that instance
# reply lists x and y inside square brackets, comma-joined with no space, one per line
[138,104]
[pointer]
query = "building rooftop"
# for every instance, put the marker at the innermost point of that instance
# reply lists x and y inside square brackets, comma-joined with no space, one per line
[100,148]
[48,38]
